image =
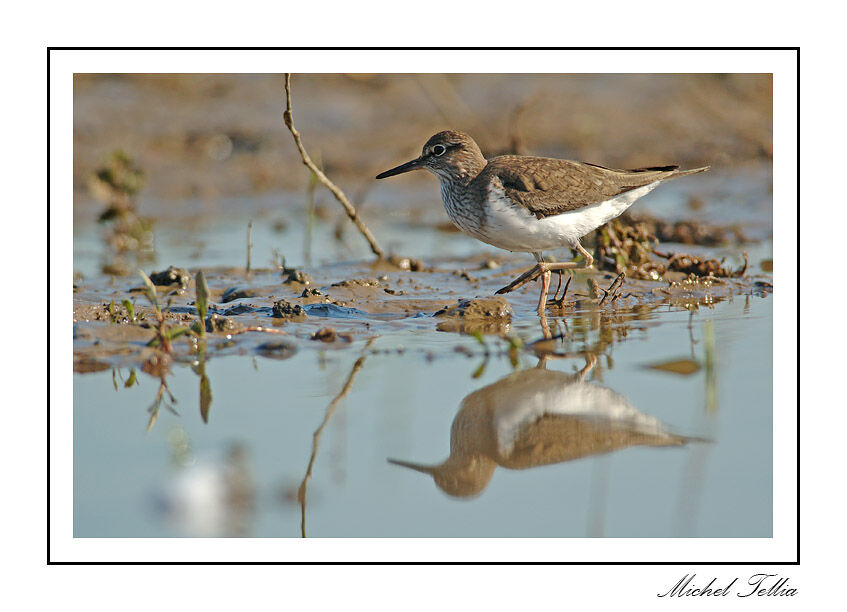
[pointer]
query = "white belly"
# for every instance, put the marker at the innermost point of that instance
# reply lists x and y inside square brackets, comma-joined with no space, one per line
[514,228]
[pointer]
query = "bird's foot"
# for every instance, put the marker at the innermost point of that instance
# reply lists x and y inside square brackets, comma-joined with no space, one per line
[536,271]
[559,302]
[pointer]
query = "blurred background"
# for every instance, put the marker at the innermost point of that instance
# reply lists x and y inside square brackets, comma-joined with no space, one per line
[208,136]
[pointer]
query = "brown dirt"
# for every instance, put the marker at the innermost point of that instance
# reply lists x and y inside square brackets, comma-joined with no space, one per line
[357,306]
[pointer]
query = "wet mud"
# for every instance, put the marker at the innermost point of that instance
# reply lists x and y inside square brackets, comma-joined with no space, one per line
[115,325]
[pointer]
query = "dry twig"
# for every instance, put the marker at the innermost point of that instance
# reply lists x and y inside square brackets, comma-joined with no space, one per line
[249,246]
[336,191]
[316,437]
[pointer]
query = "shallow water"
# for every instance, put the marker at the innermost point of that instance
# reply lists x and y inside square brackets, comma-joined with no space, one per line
[401,406]
[622,450]
[213,233]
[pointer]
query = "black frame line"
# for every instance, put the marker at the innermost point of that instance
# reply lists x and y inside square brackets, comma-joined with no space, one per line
[620,563]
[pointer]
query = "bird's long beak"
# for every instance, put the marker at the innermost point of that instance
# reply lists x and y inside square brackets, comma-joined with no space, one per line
[407,167]
[426,469]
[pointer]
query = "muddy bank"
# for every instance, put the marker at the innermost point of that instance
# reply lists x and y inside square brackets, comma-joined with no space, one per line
[334,306]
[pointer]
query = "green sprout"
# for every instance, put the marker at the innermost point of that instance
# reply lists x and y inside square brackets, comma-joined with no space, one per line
[130,309]
[202,301]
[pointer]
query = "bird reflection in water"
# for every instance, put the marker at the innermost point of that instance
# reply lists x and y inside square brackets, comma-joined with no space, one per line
[538,417]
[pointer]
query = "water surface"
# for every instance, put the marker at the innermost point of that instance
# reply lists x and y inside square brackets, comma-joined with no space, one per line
[620,450]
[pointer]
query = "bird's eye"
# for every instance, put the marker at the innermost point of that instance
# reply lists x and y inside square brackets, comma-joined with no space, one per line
[439,150]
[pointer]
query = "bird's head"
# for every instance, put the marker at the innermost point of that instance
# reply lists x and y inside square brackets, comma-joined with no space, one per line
[450,155]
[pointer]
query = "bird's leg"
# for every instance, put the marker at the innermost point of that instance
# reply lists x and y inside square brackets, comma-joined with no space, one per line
[559,302]
[542,266]
[589,258]
[530,275]
[545,288]
[558,286]
[545,327]
[536,271]
[553,267]
[590,362]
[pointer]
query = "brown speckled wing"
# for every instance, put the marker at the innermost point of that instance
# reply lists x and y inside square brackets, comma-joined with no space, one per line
[549,187]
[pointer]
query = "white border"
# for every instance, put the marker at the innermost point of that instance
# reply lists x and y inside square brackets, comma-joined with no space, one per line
[780,548]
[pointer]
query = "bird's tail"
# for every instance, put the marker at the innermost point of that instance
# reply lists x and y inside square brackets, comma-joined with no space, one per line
[660,173]
[679,173]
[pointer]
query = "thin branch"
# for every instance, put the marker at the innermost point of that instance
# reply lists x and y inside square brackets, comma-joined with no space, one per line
[249,245]
[316,437]
[336,191]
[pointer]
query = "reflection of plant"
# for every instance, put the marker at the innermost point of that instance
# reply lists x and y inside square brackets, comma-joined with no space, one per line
[199,368]
[159,401]
[131,380]
[159,368]
[513,345]
[164,336]
[165,398]
[199,329]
